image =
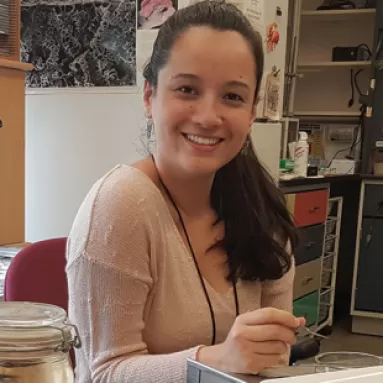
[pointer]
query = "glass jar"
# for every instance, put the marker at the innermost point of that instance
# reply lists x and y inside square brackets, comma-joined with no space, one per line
[35,340]
[348,359]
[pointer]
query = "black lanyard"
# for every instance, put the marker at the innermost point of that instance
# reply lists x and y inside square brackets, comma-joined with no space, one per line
[197,267]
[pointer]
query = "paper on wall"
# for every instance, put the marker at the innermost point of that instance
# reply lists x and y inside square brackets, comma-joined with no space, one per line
[271,95]
[254,10]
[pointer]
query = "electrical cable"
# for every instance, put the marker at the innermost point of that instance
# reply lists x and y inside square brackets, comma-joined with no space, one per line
[351,100]
[356,81]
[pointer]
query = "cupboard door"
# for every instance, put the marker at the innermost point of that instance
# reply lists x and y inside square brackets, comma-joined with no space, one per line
[369,284]
[373,200]
[310,207]
[12,157]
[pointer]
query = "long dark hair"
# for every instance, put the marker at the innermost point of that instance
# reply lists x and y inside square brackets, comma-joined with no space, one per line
[258,226]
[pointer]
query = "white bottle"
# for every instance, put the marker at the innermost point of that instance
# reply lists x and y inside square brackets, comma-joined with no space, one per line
[301,155]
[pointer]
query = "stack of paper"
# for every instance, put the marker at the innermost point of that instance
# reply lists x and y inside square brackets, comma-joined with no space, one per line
[6,256]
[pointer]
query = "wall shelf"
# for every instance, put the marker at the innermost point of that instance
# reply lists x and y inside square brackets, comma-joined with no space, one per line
[327,113]
[333,64]
[338,15]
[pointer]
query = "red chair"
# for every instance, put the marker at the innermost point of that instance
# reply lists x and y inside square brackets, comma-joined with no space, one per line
[37,274]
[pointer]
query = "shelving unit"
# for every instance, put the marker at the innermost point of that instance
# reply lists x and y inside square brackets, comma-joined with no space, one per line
[318,86]
[338,15]
[334,64]
[329,263]
[326,113]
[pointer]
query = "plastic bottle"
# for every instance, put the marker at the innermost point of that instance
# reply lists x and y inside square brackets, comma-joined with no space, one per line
[301,155]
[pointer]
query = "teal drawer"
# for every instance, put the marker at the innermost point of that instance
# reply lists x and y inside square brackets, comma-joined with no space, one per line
[307,307]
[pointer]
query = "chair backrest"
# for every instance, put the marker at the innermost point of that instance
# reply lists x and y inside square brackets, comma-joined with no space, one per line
[37,274]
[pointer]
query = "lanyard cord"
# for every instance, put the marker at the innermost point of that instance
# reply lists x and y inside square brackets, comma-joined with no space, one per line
[197,267]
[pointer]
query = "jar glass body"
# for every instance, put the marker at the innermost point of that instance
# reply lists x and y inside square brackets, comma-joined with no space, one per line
[35,341]
[35,367]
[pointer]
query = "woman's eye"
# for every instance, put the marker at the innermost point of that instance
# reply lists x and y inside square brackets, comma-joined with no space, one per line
[234,97]
[187,90]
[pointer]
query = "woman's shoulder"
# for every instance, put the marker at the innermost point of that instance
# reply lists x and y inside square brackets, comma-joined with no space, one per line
[122,206]
[125,187]
[128,181]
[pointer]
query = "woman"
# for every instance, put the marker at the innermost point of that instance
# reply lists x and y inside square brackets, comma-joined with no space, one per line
[187,253]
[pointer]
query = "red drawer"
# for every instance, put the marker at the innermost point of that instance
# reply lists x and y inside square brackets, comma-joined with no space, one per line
[310,208]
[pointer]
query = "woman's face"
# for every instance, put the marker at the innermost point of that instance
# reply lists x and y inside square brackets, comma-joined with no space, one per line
[203,106]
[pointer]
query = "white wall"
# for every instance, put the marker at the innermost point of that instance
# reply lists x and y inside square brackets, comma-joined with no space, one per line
[72,139]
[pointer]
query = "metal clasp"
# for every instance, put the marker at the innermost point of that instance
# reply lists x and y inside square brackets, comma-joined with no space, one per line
[69,342]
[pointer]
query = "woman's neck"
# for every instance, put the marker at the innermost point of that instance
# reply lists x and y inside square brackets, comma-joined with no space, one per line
[191,194]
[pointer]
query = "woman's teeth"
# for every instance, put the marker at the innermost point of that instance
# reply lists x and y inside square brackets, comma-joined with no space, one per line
[202,140]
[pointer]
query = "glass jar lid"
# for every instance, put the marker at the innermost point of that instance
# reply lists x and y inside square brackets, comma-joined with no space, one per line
[35,326]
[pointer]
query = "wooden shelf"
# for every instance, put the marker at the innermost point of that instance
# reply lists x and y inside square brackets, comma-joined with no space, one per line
[338,14]
[11,64]
[333,64]
[326,113]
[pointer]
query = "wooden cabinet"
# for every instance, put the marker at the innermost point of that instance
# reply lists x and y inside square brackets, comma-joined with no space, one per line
[12,136]
[12,150]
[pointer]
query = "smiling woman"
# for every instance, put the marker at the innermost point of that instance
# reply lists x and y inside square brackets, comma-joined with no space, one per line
[187,253]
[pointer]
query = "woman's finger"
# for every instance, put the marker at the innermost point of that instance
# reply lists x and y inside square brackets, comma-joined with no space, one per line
[269,332]
[269,316]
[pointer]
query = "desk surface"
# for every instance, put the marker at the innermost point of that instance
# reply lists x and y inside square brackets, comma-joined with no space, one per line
[329,179]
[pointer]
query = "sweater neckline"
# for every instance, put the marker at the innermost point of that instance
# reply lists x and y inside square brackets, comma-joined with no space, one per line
[229,293]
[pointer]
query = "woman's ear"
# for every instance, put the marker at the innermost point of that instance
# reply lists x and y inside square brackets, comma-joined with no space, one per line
[148,99]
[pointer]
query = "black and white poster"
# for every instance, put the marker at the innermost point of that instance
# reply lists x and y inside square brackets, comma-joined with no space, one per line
[79,43]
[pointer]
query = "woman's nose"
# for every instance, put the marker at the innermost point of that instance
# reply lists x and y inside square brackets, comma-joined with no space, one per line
[208,113]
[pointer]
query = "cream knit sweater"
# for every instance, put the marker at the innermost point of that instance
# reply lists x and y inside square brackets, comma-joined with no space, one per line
[134,292]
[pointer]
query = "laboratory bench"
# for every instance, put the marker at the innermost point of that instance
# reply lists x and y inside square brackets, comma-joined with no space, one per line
[340,254]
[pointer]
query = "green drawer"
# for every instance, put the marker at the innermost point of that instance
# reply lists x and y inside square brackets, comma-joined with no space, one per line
[307,307]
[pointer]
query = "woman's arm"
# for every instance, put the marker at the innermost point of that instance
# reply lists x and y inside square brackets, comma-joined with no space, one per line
[110,275]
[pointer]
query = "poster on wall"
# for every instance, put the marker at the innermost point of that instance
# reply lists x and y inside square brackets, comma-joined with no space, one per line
[152,14]
[79,43]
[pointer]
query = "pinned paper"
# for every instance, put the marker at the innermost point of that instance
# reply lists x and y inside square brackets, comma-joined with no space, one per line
[271,95]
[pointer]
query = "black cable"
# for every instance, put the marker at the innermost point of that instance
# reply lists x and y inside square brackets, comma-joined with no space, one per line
[365,46]
[196,264]
[351,100]
[356,81]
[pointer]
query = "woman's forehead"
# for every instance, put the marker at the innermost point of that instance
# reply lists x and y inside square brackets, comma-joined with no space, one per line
[204,51]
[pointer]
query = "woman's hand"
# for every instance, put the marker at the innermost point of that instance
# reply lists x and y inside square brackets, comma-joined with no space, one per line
[258,339]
